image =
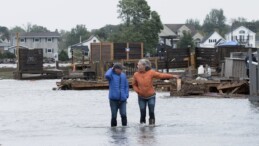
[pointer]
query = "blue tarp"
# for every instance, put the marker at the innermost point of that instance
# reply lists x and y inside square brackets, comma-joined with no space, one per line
[229,43]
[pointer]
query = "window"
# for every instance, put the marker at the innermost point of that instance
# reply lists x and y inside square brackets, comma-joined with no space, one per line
[49,50]
[36,40]
[94,41]
[242,32]
[49,39]
[22,40]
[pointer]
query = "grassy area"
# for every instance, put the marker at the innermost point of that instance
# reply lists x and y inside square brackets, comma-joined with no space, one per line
[7,73]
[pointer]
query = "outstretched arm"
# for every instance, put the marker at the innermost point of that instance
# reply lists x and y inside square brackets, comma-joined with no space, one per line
[159,75]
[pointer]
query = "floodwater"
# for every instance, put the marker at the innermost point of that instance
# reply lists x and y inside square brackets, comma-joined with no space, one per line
[32,114]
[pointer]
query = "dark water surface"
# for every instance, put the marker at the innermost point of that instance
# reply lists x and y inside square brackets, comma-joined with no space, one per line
[32,114]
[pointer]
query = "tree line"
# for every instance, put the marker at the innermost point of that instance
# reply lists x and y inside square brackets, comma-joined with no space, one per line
[139,24]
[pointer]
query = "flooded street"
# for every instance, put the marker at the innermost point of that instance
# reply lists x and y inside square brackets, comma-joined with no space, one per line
[32,114]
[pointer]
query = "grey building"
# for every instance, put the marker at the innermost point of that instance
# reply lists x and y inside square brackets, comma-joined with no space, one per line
[48,41]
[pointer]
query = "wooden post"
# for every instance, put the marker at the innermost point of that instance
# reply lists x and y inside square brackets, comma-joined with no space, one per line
[72,59]
[112,51]
[101,62]
[193,60]
[83,59]
[142,50]
[127,51]
[17,51]
[257,76]
[179,84]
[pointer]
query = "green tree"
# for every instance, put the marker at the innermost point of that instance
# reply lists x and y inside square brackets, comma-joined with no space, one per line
[186,41]
[194,22]
[62,40]
[140,24]
[37,28]
[4,33]
[215,20]
[74,35]
[16,29]
[62,56]
[240,21]
[106,32]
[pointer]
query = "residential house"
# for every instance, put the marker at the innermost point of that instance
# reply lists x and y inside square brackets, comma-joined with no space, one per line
[48,41]
[257,41]
[84,44]
[4,44]
[211,40]
[172,33]
[243,36]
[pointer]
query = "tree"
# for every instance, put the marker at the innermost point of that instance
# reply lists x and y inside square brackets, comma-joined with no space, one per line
[8,55]
[194,22]
[106,32]
[63,56]
[37,28]
[16,29]
[73,37]
[4,33]
[215,20]
[140,24]
[186,41]
[62,40]
[240,21]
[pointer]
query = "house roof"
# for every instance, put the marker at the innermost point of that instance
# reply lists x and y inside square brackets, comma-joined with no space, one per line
[23,47]
[175,27]
[91,37]
[235,28]
[166,32]
[40,34]
[207,37]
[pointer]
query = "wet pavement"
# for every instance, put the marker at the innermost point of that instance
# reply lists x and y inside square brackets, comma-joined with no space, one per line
[32,114]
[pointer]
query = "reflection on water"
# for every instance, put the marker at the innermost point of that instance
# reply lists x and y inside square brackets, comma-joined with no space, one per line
[119,136]
[146,135]
[32,114]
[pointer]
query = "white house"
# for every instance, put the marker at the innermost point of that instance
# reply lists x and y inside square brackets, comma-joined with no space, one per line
[243,36]
[48,41]
[211,40]
[86,43]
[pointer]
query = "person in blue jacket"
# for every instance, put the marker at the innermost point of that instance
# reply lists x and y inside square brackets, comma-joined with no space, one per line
[118,93]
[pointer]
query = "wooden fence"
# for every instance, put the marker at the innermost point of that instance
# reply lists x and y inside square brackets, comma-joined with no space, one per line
[30,60]
[116,51]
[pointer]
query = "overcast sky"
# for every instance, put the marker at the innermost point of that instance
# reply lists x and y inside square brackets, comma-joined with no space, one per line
[66,14]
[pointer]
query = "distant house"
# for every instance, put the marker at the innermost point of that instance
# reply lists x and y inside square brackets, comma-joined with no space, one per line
[257,41]
[172,33]
[243,36]
[84,44]
[48,41]
[211,40]
[4,44]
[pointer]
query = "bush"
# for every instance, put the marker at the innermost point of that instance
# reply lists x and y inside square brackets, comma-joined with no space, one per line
[62,56]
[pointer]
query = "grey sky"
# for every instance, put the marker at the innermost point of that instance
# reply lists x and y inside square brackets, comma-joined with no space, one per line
[66,14]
